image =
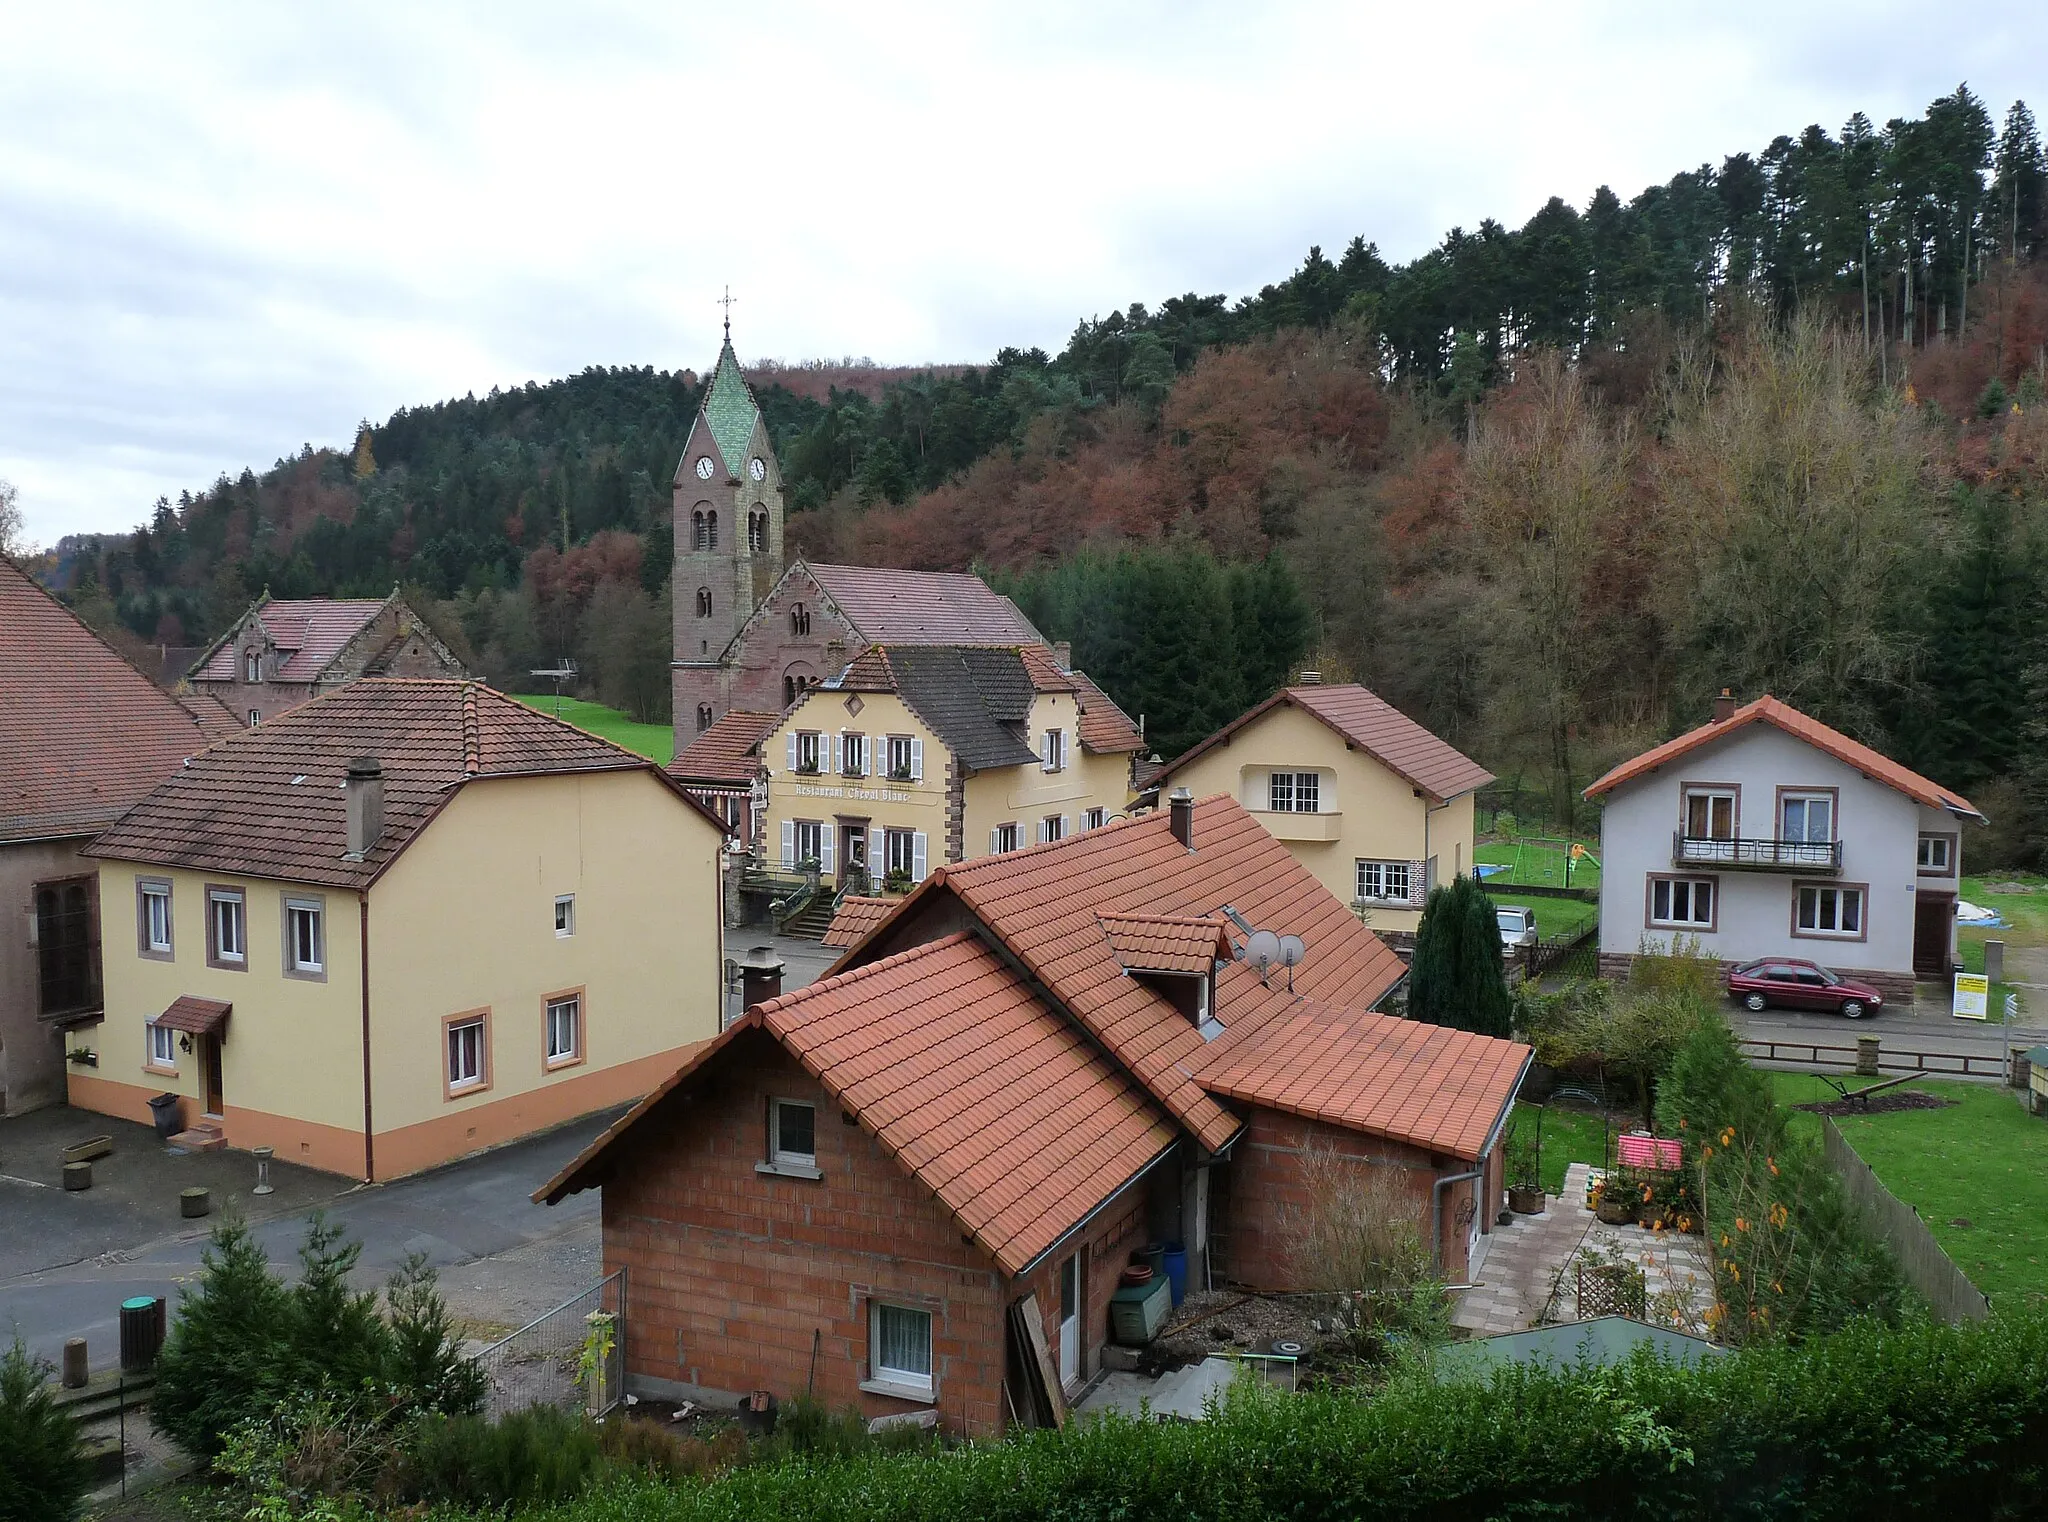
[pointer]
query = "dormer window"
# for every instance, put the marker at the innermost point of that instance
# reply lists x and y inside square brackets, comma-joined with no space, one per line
[252,666]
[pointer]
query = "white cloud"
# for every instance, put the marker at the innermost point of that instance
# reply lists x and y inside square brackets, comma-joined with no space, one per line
[227,231]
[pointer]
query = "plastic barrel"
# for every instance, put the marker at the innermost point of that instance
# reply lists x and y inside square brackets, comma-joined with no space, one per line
[1176,1258]
[166,1110]
[1153,1255]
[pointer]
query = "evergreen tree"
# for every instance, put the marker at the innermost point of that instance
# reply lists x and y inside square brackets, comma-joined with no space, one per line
[43,1474]
[427,1369]
[1456,978]
[334,1334]
[220,1365]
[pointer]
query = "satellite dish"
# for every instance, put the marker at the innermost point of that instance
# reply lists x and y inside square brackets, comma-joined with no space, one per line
[1262,950]
[1292,950]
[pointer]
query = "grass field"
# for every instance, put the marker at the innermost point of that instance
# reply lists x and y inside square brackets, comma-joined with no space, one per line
[2028,914]
[1569,1136]
[1537,862]
[654,741]
[1982,1162]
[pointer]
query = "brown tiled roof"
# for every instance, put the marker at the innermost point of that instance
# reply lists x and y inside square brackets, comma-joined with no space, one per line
[991,1100]
[1428,1085]
[1152,943]
[1783,716]
[856,916]
[268,801]
[1043,670]
[308,632]
[214,717]
[197,1016]
[891,607]
[1105,728]
[1376,727]
[83,734]
[726,752]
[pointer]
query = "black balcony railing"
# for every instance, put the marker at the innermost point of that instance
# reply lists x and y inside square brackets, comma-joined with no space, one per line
[1753,851]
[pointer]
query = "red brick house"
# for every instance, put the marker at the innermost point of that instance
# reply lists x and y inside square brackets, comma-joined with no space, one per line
[278,655]
[1037,1063]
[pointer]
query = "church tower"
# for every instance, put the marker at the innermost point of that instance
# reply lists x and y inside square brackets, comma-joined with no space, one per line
[728,538]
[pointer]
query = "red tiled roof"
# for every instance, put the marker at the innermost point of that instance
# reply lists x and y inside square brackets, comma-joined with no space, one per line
[83,734]
[194,1015]
[891,607]
[1768,710]
[855,918]
[1105,728]
[988,1098]
[1151,943]
[268,801]
[1376,727]
[1043,670]
[308,632]
[1428,1085]
[727,751]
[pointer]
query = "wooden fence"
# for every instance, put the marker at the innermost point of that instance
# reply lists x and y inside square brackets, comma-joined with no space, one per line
[1889,1059]
[1926,1267]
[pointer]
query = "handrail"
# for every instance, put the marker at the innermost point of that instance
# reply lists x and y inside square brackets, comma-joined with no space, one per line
[1755,851]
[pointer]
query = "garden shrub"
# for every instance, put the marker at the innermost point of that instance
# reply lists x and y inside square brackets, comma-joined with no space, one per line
[223,1363]
[539,1454]
[42,1472]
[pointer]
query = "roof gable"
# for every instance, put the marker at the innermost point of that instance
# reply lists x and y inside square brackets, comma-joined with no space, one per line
[892,607]
[309,633]
[729,751]
[975,699]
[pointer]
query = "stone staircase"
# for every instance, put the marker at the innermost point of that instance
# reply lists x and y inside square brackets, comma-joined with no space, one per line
[814,921]
[206,1136]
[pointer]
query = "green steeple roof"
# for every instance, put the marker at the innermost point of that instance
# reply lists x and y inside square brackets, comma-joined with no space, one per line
[730,409]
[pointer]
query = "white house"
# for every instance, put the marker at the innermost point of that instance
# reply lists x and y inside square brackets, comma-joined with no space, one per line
[1766,833]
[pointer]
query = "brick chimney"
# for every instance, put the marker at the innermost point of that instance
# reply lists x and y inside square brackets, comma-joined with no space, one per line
[1063,654]
[1724,707]
[364,791]
[760,976]
[1180,816]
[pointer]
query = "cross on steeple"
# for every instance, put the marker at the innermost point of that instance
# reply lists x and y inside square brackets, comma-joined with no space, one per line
[726,301]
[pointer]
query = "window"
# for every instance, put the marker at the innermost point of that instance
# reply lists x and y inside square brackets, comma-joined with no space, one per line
[255,718]
[1293,792]
[1052,751]
[1094,819]
[1383,881]
[699,539]
[1683,903]
[153,918]
[703,717]
[1003,838]
[757,532]
[804,753]
[799,619]
[564,1029]
[67,943]
[252,666]
[810,842]
[468,1054]
[853,755]
[227,943]
[1937,855]
[902,762]
[703,602]
[1828,909]
[163,1051]
[1807,817]
[565,915]
[900,1351]
[1709,813]
[711,531]
[305,938]
[1051,828]
[899,853]
[792,1134]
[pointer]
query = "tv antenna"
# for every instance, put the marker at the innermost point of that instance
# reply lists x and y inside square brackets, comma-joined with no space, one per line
[564,670]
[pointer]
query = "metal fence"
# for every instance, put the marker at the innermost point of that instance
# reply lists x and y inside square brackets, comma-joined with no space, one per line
[544,1363]
[1889,1059]
[1926,1267]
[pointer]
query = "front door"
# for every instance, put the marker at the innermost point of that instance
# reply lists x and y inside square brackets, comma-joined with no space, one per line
[209,1073]
[853,850]
[1070,1321]
[1934,918]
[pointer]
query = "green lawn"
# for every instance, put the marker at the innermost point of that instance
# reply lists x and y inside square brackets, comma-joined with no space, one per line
[2028,914]
[654,741]
[1569,1136]
[1538,862]
[1984,1161]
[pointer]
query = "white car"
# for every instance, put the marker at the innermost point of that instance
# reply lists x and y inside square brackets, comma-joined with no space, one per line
[1517,926]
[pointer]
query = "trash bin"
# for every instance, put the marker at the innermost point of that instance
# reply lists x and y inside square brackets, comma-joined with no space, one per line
[166,1110]
[1177,1270]
[141,1334]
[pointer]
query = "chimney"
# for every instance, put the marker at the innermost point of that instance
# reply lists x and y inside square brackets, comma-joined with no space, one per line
[1309,679]
[760,976]
[365,795]
[1063,654]
[1724,707]
[1180,816]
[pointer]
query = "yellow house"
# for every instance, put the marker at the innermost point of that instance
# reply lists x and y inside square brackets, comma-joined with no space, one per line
[401,923]
[920,754]
[1363,796]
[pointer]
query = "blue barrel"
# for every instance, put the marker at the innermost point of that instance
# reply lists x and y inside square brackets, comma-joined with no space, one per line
[1177,1270]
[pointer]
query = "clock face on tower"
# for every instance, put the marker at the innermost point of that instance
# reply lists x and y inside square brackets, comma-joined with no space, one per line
[757,468]
[703,467]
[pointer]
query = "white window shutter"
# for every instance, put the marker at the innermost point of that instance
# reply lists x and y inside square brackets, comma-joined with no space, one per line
[792,755]
[838,749]
[916,759]
[1038,833]
[1081,823]
[789,841]
[917,857]
[1059,745]
[825,850]
[995,841]
[1067,826]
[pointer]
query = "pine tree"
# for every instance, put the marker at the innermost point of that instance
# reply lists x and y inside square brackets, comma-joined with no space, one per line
[42,1471]
[334,1334]
[1456,977]
[220,1364]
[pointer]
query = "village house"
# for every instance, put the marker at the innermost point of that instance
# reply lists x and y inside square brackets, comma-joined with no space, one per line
[1377,807]
[913,1185]
[83,735]
[278,655]
[1765,833]
[916,755]
[402,922]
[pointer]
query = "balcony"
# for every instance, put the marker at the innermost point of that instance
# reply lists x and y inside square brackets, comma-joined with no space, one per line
[1749,852]
[1295,827]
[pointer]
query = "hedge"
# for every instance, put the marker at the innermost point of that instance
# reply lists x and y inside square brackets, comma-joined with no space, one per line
[1868,1423]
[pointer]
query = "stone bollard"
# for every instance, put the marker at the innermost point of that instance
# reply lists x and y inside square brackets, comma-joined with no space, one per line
[74,1363]
[77,1176]
[194,1203]
[1866,1056]
[1994,961]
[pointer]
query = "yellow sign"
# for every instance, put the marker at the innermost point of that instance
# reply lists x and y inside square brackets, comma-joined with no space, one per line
[1972,996]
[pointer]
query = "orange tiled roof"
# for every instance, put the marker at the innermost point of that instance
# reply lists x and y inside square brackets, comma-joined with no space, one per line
[1768,710]
[83,734]
[855,918]
[989,1099]
[1152,943]
[892,607]
[1376,727]
[268,802]
[199,1017]
[1105,728]
[727,751]
[1428,1085]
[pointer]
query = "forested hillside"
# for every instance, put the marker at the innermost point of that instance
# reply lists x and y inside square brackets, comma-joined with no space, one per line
[1774,423]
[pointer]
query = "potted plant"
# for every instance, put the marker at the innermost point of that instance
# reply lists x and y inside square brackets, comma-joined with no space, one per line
[896,882]
[1618,1200]
[1525,1174]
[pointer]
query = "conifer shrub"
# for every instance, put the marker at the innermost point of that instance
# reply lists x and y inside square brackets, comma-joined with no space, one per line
[42,1472]
[224,1362]
[1456,977]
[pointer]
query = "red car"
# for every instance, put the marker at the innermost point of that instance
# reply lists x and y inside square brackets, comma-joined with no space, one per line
[1794,984]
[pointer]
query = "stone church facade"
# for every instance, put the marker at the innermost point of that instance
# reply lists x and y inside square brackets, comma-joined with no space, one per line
[281,654]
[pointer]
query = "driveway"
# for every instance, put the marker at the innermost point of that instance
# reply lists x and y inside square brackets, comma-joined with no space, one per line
[67,1261]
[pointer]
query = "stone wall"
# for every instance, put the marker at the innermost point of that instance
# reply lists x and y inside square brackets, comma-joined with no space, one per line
[1897,987]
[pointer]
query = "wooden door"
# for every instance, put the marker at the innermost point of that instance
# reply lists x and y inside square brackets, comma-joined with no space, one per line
[209,1070]
[1934,916]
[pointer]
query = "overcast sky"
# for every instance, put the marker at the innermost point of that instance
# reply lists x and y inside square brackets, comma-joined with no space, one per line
[227,230]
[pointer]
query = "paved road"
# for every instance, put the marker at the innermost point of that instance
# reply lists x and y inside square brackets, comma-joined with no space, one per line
[458,1215]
